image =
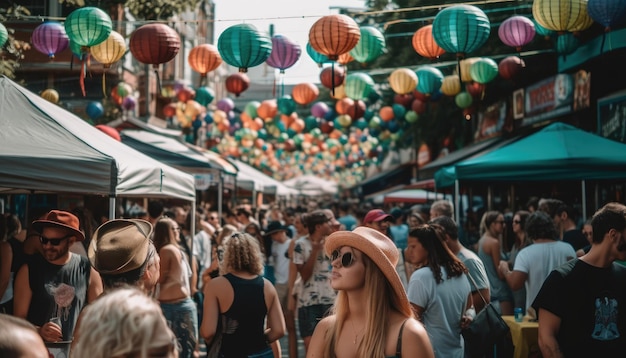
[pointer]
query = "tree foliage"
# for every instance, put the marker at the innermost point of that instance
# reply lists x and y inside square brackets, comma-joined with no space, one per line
[13,50]
[159,9]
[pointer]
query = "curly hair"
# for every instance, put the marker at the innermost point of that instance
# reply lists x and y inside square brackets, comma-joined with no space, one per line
[540,226]
[118,323]
[242,252]
[439,255]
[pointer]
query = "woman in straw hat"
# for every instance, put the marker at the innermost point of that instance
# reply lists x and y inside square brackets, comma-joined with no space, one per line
[372,316]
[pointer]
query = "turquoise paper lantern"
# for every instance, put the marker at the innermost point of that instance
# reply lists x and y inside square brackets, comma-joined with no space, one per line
[463,100]
[316,56]
[204,95]
[358,86]
[566,44]
[243,46]
[4,35]
[88,26]
[371,45]
[542,31]
[484,70]
[461,29]
[429,79]
[286,105]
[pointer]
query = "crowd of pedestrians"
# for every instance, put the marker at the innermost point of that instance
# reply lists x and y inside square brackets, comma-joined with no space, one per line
[347,282]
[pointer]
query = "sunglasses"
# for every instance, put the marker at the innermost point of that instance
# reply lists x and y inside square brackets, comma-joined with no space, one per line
[347,258]
[517,221]
[54,242]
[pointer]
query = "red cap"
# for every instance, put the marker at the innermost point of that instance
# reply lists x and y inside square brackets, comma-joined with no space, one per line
[375,216]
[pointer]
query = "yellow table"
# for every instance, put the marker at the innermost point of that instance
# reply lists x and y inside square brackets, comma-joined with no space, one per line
[525,336]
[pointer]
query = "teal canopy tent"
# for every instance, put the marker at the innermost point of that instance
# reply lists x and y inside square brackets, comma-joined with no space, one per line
[557,152]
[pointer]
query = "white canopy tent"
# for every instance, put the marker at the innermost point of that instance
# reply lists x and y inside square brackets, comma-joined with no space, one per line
[45,148]
[311,185]
[252,179]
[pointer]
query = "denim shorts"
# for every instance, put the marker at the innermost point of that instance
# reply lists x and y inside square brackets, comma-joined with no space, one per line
[309,317]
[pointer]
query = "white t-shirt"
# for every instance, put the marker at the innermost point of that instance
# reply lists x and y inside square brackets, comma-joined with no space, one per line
[538,260]
[281,261]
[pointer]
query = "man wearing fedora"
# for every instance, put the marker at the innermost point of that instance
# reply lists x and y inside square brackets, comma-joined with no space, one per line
[52,288]
[121,251]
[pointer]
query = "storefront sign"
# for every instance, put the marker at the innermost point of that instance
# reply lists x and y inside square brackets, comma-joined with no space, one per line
[612,117]
[549,98]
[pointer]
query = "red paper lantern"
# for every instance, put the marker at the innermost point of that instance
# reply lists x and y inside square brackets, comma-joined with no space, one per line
[510,67]
[169,110]
[154,44]
[330,74]
[237,83]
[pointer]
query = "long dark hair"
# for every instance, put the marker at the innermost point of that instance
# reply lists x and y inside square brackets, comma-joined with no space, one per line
[439,255]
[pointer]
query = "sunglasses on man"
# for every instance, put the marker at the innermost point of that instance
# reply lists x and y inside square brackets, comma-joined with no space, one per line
[54,242]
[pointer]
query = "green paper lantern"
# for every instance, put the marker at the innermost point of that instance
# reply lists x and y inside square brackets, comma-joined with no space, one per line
[429,79]
[411,116]
[358,86]
[463,100]
[251,108]
[88,26]
[204,96]
[4,35]
[286,105]
[461,29]
[316,56]
[370,46]
[484,70]
[243,46]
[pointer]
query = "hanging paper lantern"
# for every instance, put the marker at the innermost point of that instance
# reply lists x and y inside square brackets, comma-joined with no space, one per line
[345,58]
[424,43]
[451,85]
[386,113]
[484,70]
[285,53]
[204,95]
[319,109]
[607,12]
[154,44]
[330,74]
[110,50]
[403,81]
[4,35]
[243,46]
[304,93]
[463,100]
[563,15]
[461,29]
[516,31]
[169,110]
[358,86]
[418,106]
[464,68]
[475,89]
[129,103]
[237,83]
[204,59]
[94,110]
[333,35]
[88,26]
[77,50]
[509,67]
[110,131]
[429,79]
[542,31]
[286,105]
[343,105]
[49,38]
[50,95]
[338,92]
[316,56]
[566,44]
[370,46]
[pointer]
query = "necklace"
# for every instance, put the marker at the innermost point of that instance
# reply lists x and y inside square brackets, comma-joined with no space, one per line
[356,335]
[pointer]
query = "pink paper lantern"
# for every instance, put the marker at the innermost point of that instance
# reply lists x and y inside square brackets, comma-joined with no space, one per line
[50,38]
[516,31]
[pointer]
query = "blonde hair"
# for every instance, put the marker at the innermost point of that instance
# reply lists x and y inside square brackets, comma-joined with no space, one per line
[488,218]
[120,322]
[242,253]
[379,306]
[163,234]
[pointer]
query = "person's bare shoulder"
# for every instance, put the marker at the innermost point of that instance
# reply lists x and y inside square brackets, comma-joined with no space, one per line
[415,341]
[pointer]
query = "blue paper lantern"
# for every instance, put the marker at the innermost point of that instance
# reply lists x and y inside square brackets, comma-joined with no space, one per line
[243,46]
[94,110]
[461,29]
[608,13]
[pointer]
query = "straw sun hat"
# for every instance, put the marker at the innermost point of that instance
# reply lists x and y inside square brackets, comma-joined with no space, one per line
[379,248]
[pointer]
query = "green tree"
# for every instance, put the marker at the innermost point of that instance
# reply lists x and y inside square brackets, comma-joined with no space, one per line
[13,50]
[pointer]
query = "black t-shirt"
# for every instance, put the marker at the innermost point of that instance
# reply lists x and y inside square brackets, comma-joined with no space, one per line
[591,303]
[576,239]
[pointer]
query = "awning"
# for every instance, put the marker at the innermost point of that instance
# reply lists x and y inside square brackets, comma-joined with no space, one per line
[413,196]
[250,178]
[428,171]
[398,175]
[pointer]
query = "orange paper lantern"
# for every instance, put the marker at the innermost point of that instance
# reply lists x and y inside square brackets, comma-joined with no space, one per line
[424,43]
[304,93]
[204,59]
[333,35]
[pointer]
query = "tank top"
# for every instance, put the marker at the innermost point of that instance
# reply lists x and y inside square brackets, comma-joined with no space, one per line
[243,323]
[58,291]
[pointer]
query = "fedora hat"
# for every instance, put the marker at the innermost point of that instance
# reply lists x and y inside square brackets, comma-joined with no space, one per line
[61,219]
[274,227]
[380,249]
[120,245]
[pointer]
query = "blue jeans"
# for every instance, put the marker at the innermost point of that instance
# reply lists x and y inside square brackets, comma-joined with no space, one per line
[182,318]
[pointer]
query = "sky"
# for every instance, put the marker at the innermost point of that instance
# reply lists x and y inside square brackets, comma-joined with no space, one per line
[291,18]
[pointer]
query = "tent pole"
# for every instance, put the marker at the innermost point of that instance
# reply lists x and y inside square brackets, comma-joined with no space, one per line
[111,207]
[596,196]
[457,202]
[220,189]
[193,226]
[584,199]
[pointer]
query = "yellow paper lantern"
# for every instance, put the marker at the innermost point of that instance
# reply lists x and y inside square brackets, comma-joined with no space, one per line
[451,85]
[403,81]
[563,15]
[465,68]
[50,95]
[109,51]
